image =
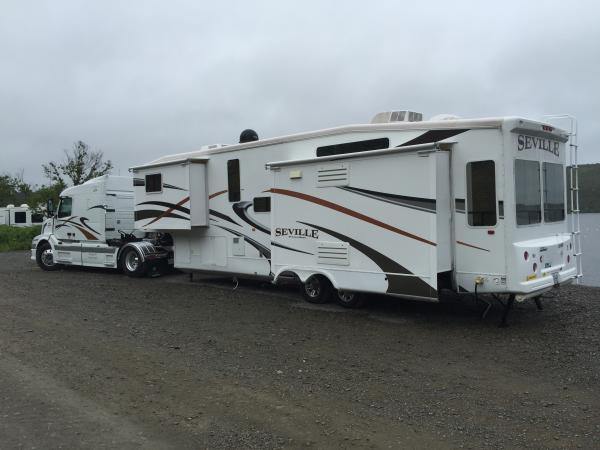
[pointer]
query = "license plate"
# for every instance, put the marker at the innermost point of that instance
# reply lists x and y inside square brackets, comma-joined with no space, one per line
[555,278]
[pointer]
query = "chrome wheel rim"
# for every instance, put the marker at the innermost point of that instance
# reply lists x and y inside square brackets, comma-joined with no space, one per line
[312,287]
[346,296]
[132,261]
[47,258]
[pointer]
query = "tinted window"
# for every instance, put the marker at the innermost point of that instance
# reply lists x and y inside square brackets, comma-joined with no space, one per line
[262,204]
[554,192]
[65,207]
[233,180]
[527,192]
[481,193]
[20,217]
[154,182]
[353,147]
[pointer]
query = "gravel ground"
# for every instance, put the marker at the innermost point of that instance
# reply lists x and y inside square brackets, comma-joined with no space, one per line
[93,359]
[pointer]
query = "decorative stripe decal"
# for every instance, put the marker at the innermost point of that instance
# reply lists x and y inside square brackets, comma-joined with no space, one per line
[407,284]
[275,244]
[168,211]
[170,186]
[154,213]
[241,209]
[216,194]
[350,212]
[223,216]
[472,246]
[97,207]
[167,205]
[421,204]
[433,136]
[264,251]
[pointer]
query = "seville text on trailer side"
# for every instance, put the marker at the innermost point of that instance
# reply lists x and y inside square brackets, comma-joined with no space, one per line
[399,206]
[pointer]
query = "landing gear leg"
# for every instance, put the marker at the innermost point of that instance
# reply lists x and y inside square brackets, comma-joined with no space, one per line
[507,307]
[538,303]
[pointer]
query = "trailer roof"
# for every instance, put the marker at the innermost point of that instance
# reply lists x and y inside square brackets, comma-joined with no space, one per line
[491,122]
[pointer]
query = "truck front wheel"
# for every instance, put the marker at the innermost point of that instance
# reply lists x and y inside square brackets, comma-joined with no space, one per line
[132,263]
[44,257]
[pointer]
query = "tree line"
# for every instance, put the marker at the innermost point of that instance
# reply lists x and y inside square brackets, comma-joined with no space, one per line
[78,165]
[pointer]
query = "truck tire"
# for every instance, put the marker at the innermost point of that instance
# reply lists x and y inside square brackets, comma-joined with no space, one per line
[132,264]
[317,289]
[349,299]
[45,257]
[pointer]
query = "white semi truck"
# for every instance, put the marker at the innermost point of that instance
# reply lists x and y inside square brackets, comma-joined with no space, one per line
[94,226]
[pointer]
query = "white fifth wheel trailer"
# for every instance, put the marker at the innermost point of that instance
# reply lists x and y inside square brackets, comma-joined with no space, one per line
[94,226]
[399,206]
[16,216]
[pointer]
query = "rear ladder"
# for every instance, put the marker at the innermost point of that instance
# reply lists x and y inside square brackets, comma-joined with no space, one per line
[573,190]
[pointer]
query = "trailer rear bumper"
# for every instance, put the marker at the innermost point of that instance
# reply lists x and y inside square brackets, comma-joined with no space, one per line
[540,286]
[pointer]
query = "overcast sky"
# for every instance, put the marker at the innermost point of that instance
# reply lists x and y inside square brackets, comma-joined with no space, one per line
[142,79]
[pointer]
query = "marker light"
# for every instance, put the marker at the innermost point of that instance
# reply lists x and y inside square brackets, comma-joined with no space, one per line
[526,256]
[541,260]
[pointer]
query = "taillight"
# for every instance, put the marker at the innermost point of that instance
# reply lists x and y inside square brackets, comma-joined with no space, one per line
[534,267]
[568,259]
[526,256]
[541,259]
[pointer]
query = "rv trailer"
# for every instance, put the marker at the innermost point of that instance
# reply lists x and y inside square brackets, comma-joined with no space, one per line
[16,216]
[94,226]
[400,206]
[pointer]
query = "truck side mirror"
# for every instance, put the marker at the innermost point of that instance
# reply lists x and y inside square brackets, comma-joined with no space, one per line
[50,207]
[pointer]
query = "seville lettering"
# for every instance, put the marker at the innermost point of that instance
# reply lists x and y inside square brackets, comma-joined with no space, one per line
[297,232]
[528,142]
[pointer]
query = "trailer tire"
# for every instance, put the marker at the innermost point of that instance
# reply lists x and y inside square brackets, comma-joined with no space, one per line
[349,299]
[45,257]
[132,264]
[317,289]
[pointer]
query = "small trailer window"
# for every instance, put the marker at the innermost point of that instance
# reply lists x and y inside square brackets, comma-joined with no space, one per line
[20,217]
[262,204]
[554,192]
[527,192]
[481,193]
[65,207]
[154,182]
[353,147]
[233,180]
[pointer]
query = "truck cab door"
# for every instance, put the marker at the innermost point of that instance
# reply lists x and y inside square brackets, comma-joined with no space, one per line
[68,247]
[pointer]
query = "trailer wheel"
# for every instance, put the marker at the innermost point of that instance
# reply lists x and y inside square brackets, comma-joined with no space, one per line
[132,263]
[317,289]
[349,299]
[45,257]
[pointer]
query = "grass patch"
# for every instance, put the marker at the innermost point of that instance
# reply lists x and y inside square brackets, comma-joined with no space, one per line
[17,238]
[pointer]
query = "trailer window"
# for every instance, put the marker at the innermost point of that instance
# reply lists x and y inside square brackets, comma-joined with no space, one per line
[154,182]
[233,180]
[481,193]
[554,192]
[65,207]
[527,192]
[262,204]
[20,217]
[353,147]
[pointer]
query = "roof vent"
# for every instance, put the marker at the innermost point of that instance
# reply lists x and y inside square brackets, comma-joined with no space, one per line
[24,205]
[10,206]
[397,116]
